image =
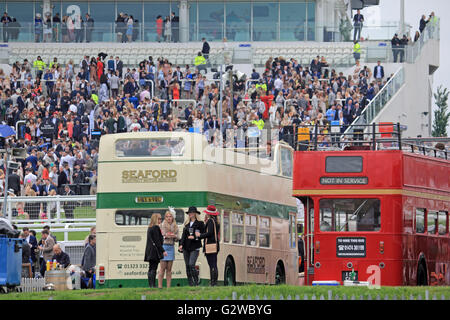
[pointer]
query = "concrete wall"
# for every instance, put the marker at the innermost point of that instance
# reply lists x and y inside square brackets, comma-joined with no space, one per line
[412,105]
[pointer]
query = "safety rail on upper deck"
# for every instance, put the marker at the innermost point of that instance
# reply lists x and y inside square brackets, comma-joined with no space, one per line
[364,137]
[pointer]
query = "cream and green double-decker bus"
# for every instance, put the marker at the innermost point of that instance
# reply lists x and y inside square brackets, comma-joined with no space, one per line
[140,174]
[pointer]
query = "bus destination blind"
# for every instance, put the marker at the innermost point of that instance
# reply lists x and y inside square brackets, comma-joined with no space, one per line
[351,247]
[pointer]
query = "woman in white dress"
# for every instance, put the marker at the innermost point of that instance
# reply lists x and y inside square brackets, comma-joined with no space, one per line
[168,29]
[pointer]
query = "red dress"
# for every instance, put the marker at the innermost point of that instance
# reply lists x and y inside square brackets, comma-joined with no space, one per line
[176,93]
[99,69]
[267,100]
[159,26]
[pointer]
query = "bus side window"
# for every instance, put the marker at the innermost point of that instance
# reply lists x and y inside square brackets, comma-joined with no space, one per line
[292,231]
[443,223]
[250,230]
[420,220]
[264,232]
[237,228]
[432,217]
[226,227]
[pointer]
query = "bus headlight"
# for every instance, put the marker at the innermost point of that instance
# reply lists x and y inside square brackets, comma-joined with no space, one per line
[317,265]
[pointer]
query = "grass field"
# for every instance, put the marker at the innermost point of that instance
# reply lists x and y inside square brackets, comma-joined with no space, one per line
[203,293]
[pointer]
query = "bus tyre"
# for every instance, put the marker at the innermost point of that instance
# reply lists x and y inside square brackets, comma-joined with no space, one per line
[280,277]
[421,275]
[229,273]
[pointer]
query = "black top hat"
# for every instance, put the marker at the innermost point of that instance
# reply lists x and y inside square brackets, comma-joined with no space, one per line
[193,210]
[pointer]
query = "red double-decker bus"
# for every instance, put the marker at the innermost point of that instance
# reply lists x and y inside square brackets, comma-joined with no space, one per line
[376,210]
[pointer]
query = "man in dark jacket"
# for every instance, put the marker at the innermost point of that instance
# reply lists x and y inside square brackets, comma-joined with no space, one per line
[395,47]
[89,257]
[205,49]
[60,256]
[89,27]
[14,182]
[130,87]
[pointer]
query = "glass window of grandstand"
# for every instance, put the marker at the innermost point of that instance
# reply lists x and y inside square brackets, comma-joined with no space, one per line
[311,21]
[237,228]
[226,226]
[238,22]
[264,232]
[350,215]
[132,10]
[24,13]
[443,223]
[153,30]
[420,220]
[292,21]
[432,222]
[210,20]
[193,35]
[105,28]
[142,217]
[265,21]
[250,230]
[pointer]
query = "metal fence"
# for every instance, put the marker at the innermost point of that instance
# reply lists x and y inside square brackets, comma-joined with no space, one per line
[50,209]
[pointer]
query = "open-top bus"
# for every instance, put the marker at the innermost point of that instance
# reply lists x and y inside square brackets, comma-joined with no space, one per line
[144,173]
[376,210]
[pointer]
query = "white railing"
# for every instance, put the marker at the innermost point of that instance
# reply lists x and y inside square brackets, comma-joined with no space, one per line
[31,285]
[50,209]
[379,101]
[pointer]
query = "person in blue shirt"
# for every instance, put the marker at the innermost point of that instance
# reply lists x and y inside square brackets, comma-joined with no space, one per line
[371,92]
[331,113]
[32,159]
[111,64]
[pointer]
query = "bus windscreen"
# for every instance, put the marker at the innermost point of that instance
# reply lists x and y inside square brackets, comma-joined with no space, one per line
[150,147]
[343,164]
[349,215]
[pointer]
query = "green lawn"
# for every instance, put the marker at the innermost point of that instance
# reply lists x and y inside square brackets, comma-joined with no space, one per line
[203,293]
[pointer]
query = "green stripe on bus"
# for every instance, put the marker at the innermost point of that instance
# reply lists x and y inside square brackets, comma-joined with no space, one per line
[127,200]
[185,199]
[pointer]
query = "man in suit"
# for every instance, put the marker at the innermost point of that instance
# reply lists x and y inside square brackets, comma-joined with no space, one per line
[47,187]
[32,242]
[119,66]
[47,249]
[378,72]
[358,20]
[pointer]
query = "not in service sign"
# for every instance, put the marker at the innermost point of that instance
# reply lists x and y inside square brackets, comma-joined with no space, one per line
[351,247]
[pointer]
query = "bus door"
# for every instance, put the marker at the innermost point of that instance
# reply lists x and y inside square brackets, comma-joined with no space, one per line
[308,239]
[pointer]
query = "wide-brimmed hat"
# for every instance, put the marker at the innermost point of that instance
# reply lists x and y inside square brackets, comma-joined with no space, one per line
[193,210]
[211,210]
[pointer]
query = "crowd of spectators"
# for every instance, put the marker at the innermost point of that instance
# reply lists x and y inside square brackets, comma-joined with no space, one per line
[64,106]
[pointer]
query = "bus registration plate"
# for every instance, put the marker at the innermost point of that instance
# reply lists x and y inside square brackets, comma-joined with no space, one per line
[347,276]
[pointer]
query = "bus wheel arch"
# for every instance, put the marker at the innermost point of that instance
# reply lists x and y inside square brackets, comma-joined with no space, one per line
[422,273]
[280,273]
[229,273]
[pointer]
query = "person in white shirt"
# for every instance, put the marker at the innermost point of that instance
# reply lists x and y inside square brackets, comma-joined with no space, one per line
[30,177]
[67,158]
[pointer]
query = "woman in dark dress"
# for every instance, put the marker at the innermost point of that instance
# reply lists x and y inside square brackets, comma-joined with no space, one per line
[154,250]
[190,245]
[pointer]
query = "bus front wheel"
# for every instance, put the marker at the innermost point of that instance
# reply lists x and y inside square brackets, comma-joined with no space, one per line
[229,273]
[421,275]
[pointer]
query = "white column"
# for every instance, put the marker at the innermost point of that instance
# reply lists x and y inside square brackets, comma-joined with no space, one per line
[184,20]
[402,18]
[46,7]
[321,19]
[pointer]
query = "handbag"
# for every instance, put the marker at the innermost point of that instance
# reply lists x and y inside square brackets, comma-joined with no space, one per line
[211,247]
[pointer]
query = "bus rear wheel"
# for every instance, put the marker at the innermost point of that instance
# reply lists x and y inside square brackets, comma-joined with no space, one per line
[229,273]
[421,276]
[280,276]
